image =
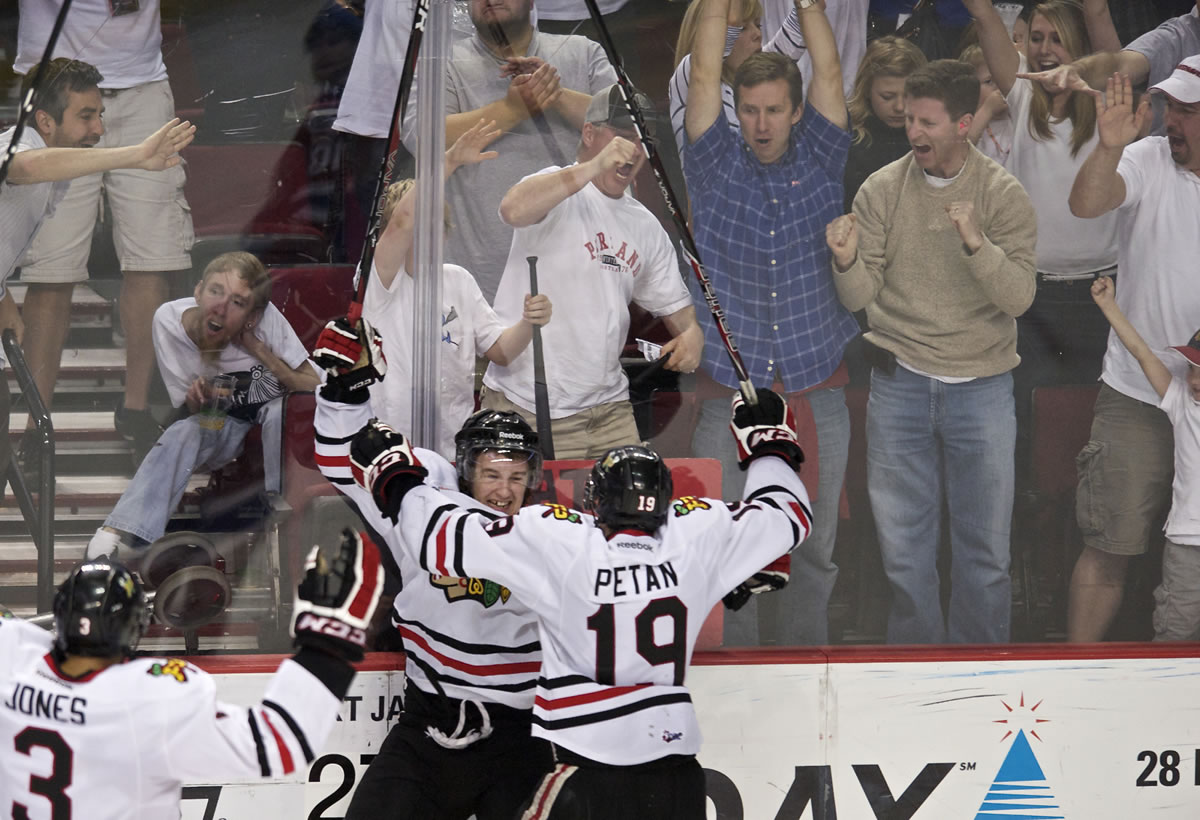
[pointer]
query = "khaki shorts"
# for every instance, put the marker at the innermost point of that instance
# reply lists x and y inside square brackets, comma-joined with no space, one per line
[1125,474]
[152,225]
[588,434]
[1177,598]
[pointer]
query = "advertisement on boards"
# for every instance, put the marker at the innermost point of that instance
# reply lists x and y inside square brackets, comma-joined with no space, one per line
[929,740]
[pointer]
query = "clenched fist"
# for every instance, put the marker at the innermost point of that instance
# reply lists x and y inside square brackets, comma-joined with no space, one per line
[842,237]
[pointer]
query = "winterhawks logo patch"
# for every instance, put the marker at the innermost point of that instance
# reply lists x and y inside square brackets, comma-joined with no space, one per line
[174,668]
[560,512]
[688,503]
[471,589]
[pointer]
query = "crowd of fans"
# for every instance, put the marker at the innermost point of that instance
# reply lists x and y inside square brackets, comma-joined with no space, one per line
[926,213]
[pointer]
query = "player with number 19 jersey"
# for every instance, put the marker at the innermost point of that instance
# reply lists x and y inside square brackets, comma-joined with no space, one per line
[618,616]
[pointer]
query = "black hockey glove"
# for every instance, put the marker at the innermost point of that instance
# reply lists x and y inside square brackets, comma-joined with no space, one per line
[336,599]
[773,576]
[353,358]
[383,464]
[766,428]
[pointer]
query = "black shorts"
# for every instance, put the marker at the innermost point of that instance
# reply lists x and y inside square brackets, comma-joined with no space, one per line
[671,788]
[413,776]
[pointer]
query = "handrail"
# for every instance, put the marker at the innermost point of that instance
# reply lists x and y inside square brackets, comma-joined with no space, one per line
[39,518]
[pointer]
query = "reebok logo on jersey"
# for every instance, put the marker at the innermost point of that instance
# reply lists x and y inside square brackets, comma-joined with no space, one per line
[174,668]
[671,737]
[685,504]
[633,545]
[471,589]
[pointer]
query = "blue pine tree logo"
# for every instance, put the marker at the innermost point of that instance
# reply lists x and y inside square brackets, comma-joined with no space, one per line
[1020,790]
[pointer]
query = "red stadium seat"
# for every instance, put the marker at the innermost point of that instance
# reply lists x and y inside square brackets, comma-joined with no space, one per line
[252,196]
[311,295]
[181,72]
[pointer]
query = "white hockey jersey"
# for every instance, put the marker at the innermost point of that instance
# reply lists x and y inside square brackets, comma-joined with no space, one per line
[618,616]
[471,634]
[118,744]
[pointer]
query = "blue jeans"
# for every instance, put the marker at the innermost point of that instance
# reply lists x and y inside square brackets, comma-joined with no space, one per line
[185,447]
[798,614]
[928,441]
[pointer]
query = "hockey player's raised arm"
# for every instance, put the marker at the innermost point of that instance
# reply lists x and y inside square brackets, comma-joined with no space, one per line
[141,727]
[775,505]
[280,735]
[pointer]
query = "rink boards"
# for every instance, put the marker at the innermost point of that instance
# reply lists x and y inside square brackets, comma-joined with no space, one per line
[1051,732]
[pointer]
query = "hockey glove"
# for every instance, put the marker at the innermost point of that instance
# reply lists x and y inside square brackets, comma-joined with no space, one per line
[766,428]
[772,577]
[353,358]
[382,463]
[336,600]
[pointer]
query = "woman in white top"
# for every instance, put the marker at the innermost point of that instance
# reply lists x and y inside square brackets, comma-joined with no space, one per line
[742,38]
[1062,337]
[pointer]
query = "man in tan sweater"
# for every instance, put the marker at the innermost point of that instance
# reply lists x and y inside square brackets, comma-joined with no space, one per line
[940,252]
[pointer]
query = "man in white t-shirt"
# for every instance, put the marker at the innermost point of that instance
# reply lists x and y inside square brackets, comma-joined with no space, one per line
[469,328]
[152,225]
[598,250]
[228,328]
[66,117]
[1125,470]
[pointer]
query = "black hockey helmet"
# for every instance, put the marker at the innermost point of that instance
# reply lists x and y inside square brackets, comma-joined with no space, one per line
[629,487]
[99,611]
[496,431]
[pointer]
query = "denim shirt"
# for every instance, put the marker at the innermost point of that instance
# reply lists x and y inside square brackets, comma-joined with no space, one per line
[760,230]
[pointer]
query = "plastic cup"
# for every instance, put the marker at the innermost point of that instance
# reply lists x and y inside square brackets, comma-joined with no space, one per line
[219,393]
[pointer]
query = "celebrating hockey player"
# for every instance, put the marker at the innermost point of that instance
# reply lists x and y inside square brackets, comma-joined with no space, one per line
[619,594]
[463,745]
[89,731]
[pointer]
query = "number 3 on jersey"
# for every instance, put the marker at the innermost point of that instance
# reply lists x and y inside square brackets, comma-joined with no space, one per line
[603,623]
[54,787]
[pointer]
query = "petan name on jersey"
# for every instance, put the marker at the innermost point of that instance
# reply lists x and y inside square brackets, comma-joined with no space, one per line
[632,580]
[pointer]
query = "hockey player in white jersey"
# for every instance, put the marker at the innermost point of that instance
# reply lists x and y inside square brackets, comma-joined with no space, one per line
[620,595]
[463,746]
[88,731]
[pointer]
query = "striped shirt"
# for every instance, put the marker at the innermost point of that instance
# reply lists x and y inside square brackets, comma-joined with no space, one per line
[467,635]
[618,617]
[760,230]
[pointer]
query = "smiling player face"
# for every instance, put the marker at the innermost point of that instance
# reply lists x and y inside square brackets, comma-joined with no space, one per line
[499,481]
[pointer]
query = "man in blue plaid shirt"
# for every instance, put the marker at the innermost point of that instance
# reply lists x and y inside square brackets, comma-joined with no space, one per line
[760,201]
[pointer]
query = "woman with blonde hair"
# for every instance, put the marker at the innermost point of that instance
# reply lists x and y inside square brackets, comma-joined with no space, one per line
[877,109]
[742,38]
[745,37]
[1062,337]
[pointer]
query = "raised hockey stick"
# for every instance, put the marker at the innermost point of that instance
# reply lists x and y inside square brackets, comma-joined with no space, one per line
[363,271]
[541,393]
[688,243]
[27,104]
